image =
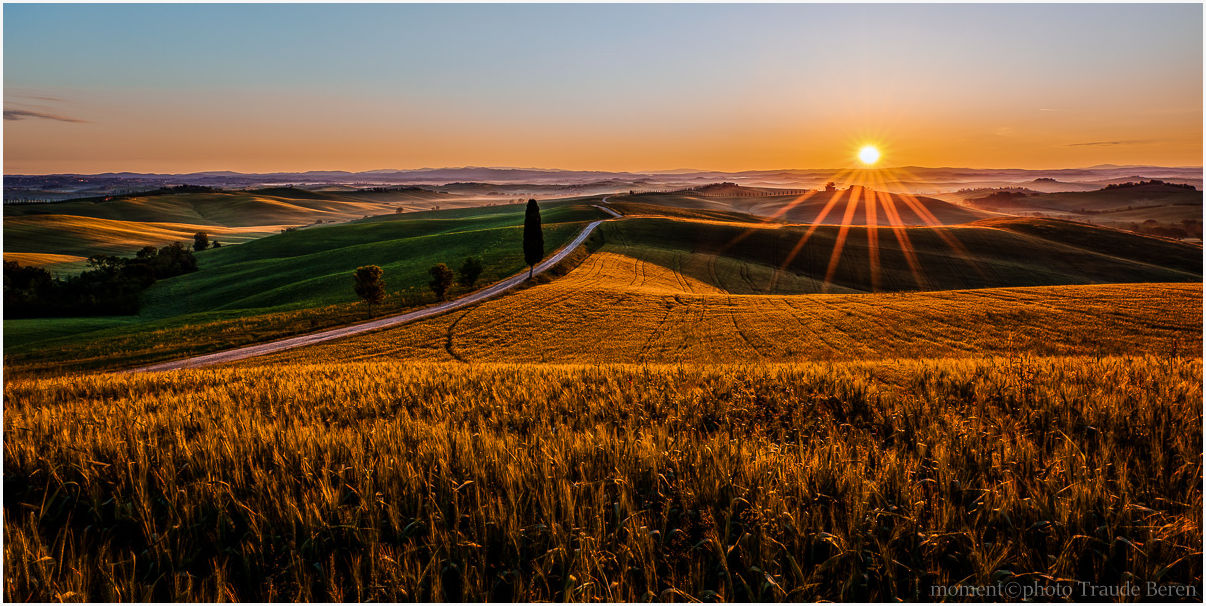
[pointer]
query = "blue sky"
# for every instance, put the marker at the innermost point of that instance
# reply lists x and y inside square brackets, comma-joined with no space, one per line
[291,87]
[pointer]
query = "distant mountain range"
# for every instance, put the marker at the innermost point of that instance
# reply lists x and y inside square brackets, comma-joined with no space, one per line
[520,181]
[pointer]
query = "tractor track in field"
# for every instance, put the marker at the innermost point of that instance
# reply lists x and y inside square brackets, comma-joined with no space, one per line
[507,314]
[797,314]
[657,331]
[448,333]
[732,309]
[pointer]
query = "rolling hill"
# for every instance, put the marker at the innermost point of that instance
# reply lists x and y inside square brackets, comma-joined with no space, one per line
[290,283]
[853,206]
[1148,207]
[637,429]
[1114,198]
[33,235]
[298,282]
[119,225]
[793,259]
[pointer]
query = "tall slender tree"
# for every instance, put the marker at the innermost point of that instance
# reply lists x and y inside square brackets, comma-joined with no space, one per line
[533,237]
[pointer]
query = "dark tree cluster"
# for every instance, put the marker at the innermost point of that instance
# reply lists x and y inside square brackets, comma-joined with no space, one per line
[442,276]
[370,283]
[1001,197]
[369,280]
[110,286]
[1188,228]
[470,271]
[441,279]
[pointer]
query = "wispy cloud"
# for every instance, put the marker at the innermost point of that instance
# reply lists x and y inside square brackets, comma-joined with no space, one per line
[35,97]
[1101,143]
[22,114]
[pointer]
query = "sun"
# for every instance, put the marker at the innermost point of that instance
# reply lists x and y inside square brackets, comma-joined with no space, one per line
[868,155]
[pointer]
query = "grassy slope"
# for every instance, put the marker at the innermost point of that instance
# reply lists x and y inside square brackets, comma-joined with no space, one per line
[125,223]
[289,283]
[415,482]
[311,268]
[297,282]
[808,208]
[86,236]
[1022,252]
[226,208]
[45,259]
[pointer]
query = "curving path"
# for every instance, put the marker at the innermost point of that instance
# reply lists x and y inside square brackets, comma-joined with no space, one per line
[497,288]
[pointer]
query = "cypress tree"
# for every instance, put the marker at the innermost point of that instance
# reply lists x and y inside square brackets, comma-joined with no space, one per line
[533,237]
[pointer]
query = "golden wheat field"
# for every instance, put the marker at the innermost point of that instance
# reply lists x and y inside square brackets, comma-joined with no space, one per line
[445,481]
[617,308]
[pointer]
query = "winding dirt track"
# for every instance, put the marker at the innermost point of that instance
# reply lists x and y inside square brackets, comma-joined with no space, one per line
[495,289]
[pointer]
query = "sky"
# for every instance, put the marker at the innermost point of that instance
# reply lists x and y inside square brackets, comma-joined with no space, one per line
[296,87]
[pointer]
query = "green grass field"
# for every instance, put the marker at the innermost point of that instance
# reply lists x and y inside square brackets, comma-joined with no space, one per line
[120,225]
[985,254]
[291,283]
[852,207]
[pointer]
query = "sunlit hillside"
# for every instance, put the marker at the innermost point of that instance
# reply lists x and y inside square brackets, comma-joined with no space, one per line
[120,225]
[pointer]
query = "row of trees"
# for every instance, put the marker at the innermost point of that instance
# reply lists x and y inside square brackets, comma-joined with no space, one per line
[110,286]
[369,280]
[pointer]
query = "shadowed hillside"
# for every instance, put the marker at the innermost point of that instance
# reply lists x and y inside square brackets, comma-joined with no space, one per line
[826,258]
[1110,198]
[1150,207]
[852,206]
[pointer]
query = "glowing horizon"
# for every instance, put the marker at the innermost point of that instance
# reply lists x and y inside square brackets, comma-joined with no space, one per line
[287,88]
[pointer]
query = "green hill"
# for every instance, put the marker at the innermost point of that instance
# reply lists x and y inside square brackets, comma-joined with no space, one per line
[854,206]
[119,225]
[310,268]
[220,208]
[295,282]
[746,259]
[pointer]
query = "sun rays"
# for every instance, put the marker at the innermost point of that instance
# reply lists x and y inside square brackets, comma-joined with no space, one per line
[879,202]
